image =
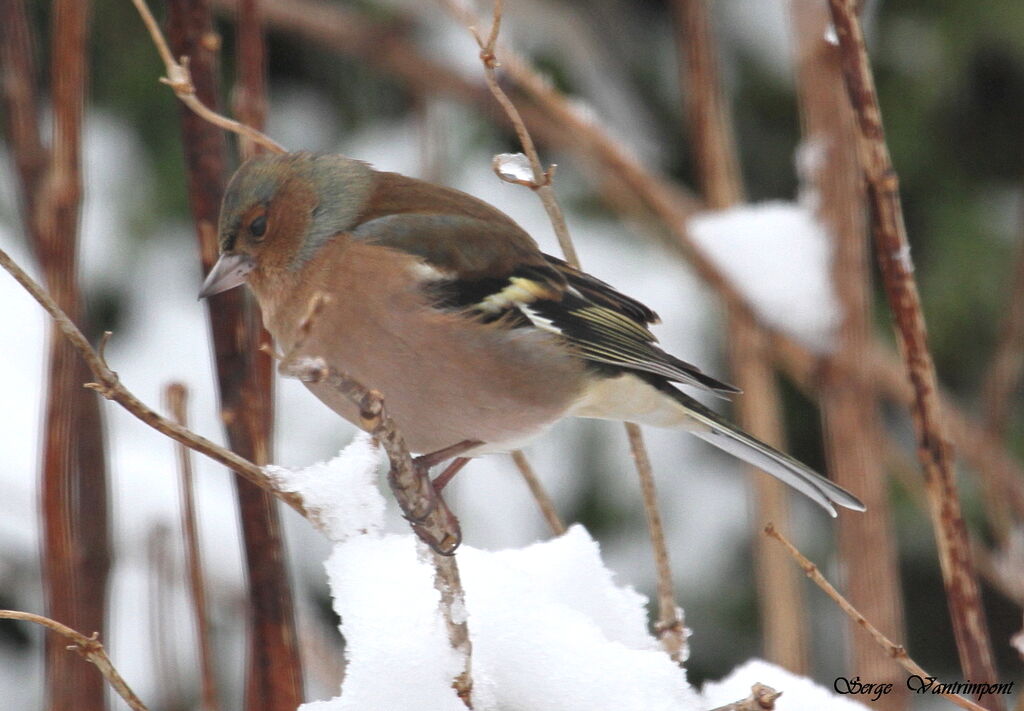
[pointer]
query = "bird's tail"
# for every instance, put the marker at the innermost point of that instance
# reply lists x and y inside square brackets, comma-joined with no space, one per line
[714,429]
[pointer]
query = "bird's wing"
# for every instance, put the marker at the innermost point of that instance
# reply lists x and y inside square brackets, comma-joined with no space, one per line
[477,260]
[609,329]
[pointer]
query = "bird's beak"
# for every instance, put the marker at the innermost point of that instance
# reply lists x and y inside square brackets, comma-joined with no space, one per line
[229,271]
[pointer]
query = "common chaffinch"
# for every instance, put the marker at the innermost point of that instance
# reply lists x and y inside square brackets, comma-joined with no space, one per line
[448,308]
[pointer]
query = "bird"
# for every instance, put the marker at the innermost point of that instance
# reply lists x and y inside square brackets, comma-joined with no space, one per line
[449,309]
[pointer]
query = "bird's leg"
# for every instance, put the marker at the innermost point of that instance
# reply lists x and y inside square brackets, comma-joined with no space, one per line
[424,462]
[442,479]
[432,459]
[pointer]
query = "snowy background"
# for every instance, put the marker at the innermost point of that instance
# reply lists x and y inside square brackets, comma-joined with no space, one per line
[140,273]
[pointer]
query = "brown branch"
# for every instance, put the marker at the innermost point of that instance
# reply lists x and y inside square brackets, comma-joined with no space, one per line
[180,80]
[17,83]
[73,486]
[109,386]
[671,626]
[449,585]
[891,649]
[547,506]
[893,251]
[867,545]
[1004,374]
[783,628]
[420,502]
[244,374]
[250,92]
[542,178]
[176,396]
[89,648]
[1002,381]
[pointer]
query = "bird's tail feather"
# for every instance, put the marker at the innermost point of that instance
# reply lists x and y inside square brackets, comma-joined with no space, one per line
[727,437]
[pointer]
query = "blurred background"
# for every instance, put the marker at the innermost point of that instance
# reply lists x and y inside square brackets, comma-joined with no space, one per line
[951,82]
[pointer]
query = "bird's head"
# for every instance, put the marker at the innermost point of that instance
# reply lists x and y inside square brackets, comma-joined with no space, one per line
[278,210]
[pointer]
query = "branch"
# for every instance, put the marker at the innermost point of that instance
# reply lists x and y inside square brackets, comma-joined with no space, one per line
[547,506]
[180,81]
[542,179]
[893,252]
[176,396]
[109,386]
[89,648]
[849,400]
[893,650]
[426,511]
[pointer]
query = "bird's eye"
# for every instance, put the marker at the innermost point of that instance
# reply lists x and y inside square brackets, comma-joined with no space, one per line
[258,227]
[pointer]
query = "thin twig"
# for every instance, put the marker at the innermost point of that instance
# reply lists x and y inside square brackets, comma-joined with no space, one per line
[109,386]
[893,252]
[542,178]
[89,648]
[176,396]
[893,650]
[849,402]
[180,81]
[547,506]
[671,627]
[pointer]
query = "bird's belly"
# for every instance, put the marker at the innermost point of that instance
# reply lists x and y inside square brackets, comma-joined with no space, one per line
[443,385]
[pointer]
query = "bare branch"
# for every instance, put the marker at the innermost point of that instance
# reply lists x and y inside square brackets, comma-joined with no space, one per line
[893,251]
[547,506]
[541,178]
[180,81]
[849,401]
[422,505]
[176,396]
[109,386]
[89,648]
[893,650]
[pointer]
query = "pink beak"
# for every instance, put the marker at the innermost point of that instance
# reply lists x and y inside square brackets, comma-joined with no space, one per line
[229,271]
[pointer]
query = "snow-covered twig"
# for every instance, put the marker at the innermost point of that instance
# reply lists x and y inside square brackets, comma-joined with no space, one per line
[762,698]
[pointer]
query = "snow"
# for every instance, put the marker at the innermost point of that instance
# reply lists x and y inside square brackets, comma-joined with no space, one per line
[340,494]
[777,255]
[550,629]
[798,693]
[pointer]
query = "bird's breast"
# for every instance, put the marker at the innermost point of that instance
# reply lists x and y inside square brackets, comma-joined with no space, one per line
[445,378]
